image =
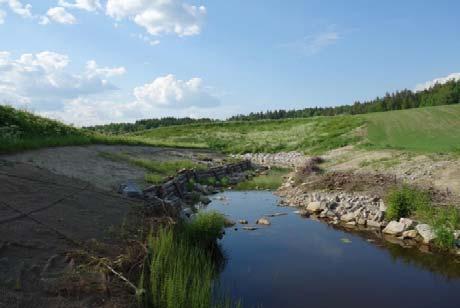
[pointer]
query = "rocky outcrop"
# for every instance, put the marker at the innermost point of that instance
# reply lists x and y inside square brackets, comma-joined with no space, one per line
[394,228]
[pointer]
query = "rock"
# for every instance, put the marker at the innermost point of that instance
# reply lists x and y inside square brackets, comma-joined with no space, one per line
[276,214]
[373,224]
[316,206]
[361,221]
[243,221]
[409,234]
[303,213]
[350,224]
[350,216]
[263,221]
[382,206]
[408,223]
[457,234]
[130,189]
[250,228]
[205,200]
[394,228]
[229,223]
[426,232]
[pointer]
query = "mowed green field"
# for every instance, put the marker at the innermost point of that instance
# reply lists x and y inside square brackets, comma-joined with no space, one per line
[430,129]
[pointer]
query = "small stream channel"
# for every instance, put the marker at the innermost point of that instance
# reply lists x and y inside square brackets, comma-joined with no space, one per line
[299,262]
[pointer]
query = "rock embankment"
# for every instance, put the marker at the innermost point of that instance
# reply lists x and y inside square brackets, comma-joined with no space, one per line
[359,211]
[282,159]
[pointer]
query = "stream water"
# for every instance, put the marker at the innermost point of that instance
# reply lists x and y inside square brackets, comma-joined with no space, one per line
[298,262]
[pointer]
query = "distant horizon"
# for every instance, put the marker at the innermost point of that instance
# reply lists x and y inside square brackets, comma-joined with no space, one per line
[91,62]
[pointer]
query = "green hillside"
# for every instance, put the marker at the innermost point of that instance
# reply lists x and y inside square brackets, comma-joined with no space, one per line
[431,129]
[22,130]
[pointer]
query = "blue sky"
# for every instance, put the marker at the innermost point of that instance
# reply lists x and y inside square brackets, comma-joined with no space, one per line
[97,61]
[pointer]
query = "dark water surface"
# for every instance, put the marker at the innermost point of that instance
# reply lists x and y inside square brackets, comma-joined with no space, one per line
[299,262]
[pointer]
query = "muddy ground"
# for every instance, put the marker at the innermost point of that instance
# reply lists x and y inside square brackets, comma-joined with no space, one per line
[58,203]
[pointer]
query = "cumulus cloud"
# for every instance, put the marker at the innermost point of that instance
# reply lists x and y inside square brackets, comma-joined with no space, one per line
[87,5]
[431,83]
[60,15]
[41,81]
[93,70]
[23,10]
[159,16]
[165,96]
[170,92]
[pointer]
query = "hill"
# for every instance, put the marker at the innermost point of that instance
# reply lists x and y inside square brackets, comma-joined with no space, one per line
[429,129]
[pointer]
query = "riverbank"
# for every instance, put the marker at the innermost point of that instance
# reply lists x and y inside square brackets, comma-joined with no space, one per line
[357,199]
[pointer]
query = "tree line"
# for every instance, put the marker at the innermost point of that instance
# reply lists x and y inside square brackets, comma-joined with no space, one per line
[440,94]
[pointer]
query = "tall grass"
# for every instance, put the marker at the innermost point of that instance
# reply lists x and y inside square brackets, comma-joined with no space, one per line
[180,270]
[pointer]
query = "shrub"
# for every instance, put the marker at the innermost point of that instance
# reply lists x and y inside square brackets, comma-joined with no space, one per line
[225,181]
[190,185]
[205,228]
[404,201]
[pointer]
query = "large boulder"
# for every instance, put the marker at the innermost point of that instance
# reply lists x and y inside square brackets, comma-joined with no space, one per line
[409,234]
[408,223]
[426,232]
[316,206]
[263,221]
[394,228]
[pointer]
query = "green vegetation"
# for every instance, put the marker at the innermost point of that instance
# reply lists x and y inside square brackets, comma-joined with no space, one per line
[180,269]
[407,201]
[159,170]
[272,180]
[313,135]
[404,201]
[433,129]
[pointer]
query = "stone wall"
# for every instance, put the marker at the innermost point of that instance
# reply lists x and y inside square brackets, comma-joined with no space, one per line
[177,187]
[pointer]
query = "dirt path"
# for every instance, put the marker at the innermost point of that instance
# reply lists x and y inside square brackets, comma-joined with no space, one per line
[86,163]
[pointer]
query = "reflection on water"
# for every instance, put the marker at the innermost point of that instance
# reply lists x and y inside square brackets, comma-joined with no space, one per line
[299,262]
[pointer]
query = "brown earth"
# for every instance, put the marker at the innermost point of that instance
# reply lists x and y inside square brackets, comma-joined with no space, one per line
[60,216]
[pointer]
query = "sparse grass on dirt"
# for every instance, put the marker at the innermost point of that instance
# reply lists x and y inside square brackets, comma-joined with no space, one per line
[158,170]
[271,180]
[430,129]
[313,135]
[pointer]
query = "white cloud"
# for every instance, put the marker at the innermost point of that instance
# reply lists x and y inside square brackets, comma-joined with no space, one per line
[59,15]
[316,42]
[169,92]
[159,16]
[43,83]
[23,10]
[431,83]
[87,5]
[2,17]
[147,39]
[93,70]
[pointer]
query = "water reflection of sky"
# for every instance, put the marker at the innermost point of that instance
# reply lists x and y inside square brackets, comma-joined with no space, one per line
[299,262]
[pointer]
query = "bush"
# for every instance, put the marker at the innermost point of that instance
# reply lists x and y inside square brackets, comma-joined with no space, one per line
[205,228]
[404,201]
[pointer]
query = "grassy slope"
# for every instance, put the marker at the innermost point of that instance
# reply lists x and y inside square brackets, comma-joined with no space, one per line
[431,129]
[312,134]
